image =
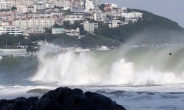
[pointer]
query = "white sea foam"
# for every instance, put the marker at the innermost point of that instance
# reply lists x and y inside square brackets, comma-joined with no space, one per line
[102,69]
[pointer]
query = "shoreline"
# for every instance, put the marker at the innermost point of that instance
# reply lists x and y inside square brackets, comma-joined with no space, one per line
[62,98]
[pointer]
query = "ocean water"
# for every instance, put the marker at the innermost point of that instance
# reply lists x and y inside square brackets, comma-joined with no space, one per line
[139,78]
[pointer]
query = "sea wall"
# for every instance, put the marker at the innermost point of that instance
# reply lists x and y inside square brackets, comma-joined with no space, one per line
[15,52]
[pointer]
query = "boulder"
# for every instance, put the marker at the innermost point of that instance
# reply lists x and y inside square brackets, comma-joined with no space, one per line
[62,98]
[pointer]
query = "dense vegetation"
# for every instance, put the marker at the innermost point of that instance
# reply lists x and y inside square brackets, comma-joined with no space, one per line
[153,28]
[157,25]
[90,41]
[9,41]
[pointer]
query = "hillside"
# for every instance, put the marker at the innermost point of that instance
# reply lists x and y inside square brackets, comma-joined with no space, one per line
[153,28]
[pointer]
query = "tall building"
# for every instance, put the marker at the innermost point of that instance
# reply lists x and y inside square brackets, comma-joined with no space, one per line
[4,5]
[89,5]
[96,3]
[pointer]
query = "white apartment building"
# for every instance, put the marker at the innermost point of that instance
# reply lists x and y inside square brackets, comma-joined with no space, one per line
[49,5]
[90,27]
[89,5]
[132,15]
[114,23]
[99,15]
[117,12]
[73,17]
[22,8]
[17,3]
[43,14]
[5,5]
[73,32]
[112,5]
[41,5]
[12,30]
[34,22]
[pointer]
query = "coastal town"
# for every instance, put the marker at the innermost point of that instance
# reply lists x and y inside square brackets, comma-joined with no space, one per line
[34,16]
[27,17]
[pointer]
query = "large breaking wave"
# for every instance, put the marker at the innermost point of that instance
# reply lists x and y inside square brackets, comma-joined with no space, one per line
[123,66]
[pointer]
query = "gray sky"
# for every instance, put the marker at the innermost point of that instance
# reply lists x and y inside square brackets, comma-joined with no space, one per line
[172,9]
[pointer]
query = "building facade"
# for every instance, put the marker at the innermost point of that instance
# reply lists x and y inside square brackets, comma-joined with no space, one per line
[34,22]
[4,5]
[17,3]
[90,27]
[12,30]
[96,3]
[89,5]
[58,30]
[74,17]
[73,32]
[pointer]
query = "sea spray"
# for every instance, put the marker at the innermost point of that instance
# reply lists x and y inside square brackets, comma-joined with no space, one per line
[124,66]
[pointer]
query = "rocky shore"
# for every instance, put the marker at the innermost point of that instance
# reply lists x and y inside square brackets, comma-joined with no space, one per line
[62,99]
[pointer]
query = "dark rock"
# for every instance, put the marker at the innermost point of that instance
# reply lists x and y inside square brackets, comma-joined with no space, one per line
[102,102]
[47,104]
[62,99]
[20,103]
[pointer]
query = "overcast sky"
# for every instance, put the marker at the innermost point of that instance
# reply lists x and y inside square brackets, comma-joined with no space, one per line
[172,9]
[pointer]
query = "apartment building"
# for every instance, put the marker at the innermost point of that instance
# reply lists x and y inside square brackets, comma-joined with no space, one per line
[34,22]
[41,5]
[17,3]
[98,15]
[73,17]
[90,27]
[117,12]
[114,23]
[22,8]
[89,5]
[132,17]
[4,5]
[73,32]
[12,30]
[46,13]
